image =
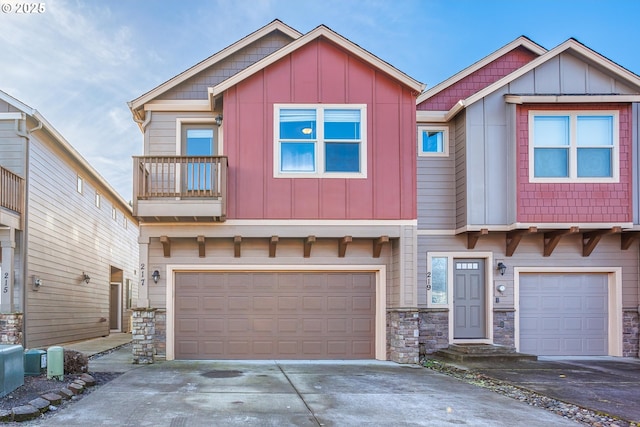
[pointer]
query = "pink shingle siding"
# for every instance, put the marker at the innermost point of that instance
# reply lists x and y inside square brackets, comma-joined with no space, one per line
[574,202]
[478,80]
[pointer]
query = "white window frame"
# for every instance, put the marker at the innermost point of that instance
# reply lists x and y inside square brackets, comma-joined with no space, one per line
[186,121]
[79,184]
[114,213]
[445,140]
[319,147]
[98,200]
[573,146]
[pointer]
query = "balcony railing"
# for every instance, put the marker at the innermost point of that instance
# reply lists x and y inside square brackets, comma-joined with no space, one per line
[11,191]
[180,187]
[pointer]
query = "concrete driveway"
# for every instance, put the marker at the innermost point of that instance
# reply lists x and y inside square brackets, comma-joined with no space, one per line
[274,393]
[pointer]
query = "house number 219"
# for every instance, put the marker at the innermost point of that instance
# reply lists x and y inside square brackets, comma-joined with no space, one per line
[428,280]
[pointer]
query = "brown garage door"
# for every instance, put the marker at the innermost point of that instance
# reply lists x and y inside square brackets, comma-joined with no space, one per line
[266,315]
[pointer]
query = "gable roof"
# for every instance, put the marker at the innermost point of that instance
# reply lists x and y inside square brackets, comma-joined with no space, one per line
[67,148]
[572,45]
[213,59]
[327,33]
[521,41]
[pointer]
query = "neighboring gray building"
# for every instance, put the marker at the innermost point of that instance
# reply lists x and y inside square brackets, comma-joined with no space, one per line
[528,208]
[69,241]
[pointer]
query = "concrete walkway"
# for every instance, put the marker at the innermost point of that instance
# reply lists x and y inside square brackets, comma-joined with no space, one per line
[291,393]
[98,345]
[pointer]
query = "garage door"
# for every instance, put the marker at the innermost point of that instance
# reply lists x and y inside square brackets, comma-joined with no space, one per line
[266,315]
[564,314]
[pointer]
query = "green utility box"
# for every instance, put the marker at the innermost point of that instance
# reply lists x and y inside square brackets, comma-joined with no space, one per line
[35,362]
[11,368]
[55,363]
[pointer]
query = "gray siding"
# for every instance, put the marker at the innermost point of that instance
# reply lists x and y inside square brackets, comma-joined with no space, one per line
[69,235]
[436,189]
[160,134]
[461,169]
[568,253]
[196,87]
[12,148]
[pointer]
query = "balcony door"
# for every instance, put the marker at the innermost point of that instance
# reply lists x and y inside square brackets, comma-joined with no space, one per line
[200,174]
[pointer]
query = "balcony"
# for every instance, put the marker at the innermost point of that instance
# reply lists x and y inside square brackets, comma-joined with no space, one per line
[11,191]
[180,188]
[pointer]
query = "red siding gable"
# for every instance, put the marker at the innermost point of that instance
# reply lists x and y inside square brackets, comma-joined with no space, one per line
[478,80]
[574,202]
[320,72]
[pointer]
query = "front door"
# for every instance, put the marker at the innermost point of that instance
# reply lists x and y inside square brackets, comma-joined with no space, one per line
[469,302]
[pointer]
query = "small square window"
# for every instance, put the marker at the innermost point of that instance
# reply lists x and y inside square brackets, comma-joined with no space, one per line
[433,141]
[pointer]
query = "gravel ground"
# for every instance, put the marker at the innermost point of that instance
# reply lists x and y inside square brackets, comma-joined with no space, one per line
[566,410]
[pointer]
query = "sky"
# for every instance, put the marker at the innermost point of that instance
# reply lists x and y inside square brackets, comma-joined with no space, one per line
[79,62]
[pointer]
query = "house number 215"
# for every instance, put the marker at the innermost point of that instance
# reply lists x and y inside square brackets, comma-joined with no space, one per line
[5,283]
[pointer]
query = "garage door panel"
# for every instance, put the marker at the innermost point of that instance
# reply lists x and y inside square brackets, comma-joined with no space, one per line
[564,314]
[275,315]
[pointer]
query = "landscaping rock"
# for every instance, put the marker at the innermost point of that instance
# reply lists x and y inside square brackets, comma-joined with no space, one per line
[40,404]
[88,379]
[53,398]
[65,393]
[25,413]
[6,416]
[75,388]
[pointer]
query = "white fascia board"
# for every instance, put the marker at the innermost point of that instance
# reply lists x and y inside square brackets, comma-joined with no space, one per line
[573,99]
[330,35]
[12,116]
[217,57]
[570,44]
[519,42]
[431,116]
[178,105]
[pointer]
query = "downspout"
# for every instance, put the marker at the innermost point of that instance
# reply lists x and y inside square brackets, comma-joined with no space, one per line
[25,232]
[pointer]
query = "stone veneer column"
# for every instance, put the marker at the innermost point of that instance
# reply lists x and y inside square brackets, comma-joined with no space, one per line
[631,333]
[160,337]
[504,327]
[434,330]
[143,331]
[11,328]
[403,334]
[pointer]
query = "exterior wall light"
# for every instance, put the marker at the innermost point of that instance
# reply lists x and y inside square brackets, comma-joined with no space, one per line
[86,277]
[155,276]
[502,268]
[218,119]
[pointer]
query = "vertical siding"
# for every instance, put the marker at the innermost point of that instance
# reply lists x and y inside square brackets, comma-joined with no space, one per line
[461,169]
[320,73]
[197,86]
[69,235]
[635,163]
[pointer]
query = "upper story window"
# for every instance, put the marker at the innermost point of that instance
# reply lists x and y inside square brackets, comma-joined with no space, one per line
[114,213]
[433,141]
[97,200]
[573,146]
[314,141]
[79,184]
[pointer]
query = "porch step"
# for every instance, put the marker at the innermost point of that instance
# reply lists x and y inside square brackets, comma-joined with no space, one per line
[482,352]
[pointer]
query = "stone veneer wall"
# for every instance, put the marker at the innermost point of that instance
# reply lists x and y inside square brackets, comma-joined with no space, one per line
[11,328]
[402,336]
[434,330]
[142,335]
[504,328]
[630,333]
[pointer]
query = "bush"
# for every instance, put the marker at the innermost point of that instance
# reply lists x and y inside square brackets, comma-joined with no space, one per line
[75,362]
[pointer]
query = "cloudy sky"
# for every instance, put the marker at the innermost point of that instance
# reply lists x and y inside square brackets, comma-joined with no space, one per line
[79,62]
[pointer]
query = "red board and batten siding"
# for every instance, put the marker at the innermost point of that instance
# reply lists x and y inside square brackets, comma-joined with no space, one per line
[321,72]
[478,80]
[575,202]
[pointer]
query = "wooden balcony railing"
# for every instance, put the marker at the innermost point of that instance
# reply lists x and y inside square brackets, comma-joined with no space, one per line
[11,191]
[179,180]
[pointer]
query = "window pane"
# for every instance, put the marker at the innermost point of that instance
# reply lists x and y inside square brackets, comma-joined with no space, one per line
[594,162]
[342,157]
[432,141]
[342,124]
[551,162]
[439,280]
[551,131]
[297,124]
[199,142]
[297,157]
[595,131]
